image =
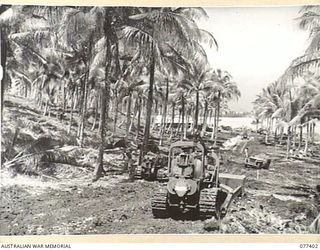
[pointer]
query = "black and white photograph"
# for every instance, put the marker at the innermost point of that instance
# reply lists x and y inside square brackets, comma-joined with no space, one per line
[159,120]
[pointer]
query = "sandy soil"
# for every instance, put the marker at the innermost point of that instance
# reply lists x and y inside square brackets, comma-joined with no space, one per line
[283,199]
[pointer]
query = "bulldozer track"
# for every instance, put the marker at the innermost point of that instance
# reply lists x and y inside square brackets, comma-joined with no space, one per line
[207,203]
[159,204]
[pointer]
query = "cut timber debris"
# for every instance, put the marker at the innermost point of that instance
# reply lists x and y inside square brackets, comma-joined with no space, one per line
[315,226]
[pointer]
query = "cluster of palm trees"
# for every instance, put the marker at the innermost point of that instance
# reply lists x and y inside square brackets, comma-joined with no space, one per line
[92,62]
[292,104]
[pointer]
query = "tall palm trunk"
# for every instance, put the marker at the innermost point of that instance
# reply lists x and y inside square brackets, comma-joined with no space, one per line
[135,112]
[281,136]
[268,131]
[99,169]
[294,136]
[307,139]
[214,123]
[96,112]
[165,112]
[210,116]
[128,114]
[139,118]
[288,142]
[63,96]
[313,132]
[149,102]
[300,136]
[217,119]
[289,131]
[84,109]
[71,111]
[186,127]
[105,94]
[179,122]
[196,115]
[172,120]
[205,118]
[183,116]
[115,119]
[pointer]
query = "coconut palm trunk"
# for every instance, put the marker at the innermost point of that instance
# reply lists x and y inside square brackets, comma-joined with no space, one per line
[84,109]
[172,120]
[149,101]
[214,123]
[183,116]
[307,138]
[300,136]
[288,142]
[196,116]
[105,94]
[128,113]
[294,136]
[63,96]
[217,119]
[163,128]
[135,112]
[115,118]
[313,132]
[71,112]
[99,169]
[188,114]
[139,118]
[205,118]
[96,111]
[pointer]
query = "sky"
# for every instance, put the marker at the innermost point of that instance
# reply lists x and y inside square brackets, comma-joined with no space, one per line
[256,45]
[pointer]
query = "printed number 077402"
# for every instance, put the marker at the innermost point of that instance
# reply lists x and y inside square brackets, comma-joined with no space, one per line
[312,246]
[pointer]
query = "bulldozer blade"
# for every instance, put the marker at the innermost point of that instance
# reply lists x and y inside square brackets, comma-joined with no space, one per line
[235,182]
[233,186]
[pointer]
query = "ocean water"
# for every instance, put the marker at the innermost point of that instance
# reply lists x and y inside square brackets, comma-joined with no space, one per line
[246,122]
[239,122]
[234,122]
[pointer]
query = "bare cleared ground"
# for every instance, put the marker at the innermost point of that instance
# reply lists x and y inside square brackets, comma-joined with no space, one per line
[283,199]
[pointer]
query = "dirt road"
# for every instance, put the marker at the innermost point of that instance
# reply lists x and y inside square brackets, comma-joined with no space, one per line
[282,200]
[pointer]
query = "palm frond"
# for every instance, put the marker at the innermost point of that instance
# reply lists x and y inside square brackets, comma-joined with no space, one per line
[135,35]
[301,65]
[208,38]
[192,12]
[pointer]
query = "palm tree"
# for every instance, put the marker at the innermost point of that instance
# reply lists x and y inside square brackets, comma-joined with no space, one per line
[159,30]
[225,89]
[273,101]
[19,24]
[127,89]
[293,106]
[200,81]
[110,39]
[308,101]
[309,20]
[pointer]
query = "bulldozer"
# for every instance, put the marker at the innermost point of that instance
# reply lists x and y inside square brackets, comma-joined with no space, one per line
[149,168]
[258,161]
[193,186]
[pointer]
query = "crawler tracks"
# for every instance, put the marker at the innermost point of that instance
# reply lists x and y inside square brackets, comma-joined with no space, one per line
[207,203]
[159,204]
